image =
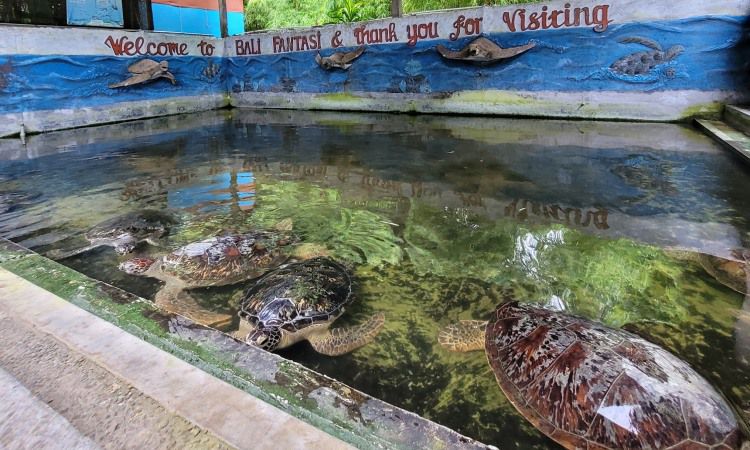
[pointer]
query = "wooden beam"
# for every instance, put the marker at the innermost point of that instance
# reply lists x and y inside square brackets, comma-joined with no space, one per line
[223,27]
[397,9]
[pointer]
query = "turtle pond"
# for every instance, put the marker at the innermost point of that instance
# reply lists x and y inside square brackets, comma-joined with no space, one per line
[636,226]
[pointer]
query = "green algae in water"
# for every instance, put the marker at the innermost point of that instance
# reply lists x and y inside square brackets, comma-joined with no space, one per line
[430,240]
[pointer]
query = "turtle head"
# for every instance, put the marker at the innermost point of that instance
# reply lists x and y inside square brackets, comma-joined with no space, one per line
[267,338]
[123,248]
[136,266]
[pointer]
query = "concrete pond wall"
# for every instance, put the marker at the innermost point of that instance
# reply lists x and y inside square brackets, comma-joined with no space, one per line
[629,60]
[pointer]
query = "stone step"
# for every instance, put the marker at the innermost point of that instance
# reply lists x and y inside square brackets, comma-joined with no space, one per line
[729,137]
[738,117]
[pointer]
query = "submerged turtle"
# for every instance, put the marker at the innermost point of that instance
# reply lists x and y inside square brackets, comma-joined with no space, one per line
[124,232]
[483,51]
[145,70]
[217,261]
[588,386]
[641,63]
[300,301]
[339,60]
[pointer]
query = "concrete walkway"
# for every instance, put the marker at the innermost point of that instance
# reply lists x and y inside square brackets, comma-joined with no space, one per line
[71,380]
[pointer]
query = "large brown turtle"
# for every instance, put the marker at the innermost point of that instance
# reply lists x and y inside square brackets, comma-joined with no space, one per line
[591,387]
[300,301]
[216,261]
[641,63]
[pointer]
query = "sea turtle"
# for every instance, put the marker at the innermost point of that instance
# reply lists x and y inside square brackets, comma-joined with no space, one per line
[588,386]
[124,232]
[217,261]
[299,301]
[483,51]
[339,60]
[641,63]
[145,70]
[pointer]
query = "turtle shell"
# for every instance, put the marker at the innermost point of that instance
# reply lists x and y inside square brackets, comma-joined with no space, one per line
[298,295]
[225,259]
[138,224]
[588,386]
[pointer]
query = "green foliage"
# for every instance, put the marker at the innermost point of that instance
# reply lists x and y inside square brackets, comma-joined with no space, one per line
[265,14]
[257,15]
[432,5]
[343,11]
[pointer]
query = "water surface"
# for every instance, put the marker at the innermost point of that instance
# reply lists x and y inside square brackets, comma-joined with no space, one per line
[440,218]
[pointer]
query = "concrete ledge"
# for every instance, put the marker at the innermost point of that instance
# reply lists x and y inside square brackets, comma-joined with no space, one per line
[738,117]
[236,417]
[59,119]
[635,106]
[328,405]
[730,138]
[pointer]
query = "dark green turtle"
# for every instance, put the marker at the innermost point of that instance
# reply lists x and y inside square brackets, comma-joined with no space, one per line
[300,301]
[124,232]
[217,261]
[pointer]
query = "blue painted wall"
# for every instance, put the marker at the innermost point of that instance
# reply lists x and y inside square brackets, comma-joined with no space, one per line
[195,20]
[715,57]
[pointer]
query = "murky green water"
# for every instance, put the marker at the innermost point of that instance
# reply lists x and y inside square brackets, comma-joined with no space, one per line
[441,217]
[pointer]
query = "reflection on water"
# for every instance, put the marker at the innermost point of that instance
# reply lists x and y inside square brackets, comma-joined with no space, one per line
[440,218]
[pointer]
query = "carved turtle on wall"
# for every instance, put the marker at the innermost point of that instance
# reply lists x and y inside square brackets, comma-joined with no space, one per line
[144,71]
[339,60]
[483,51]
[641,63]
[588,386]
[300,301]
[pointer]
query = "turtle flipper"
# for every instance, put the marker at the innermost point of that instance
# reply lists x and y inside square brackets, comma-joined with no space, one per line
[344,340]
[174,299]
[464,336]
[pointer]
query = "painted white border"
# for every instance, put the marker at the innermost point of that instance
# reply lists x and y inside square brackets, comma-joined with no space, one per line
[40,40]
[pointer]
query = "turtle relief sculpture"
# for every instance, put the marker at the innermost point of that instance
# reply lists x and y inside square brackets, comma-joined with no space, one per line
[483,51]
[144,71]
[643,62]
[339,60]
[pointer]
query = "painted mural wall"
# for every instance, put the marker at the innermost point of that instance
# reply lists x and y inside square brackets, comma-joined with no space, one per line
[626,59]
[632,59]
[54,78]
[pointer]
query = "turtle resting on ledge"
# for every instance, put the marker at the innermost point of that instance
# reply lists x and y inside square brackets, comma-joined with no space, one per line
[587,386]
[300,301]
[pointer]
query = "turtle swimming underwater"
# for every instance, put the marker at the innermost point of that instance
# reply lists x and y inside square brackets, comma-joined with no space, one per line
[299,301]
[217,261]
[146,70]
[588,386]
[124,232]
[641,63]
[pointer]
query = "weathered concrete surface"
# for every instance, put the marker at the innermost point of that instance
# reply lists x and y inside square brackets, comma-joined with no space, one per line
[738,117]
[734,140]
[59,119]
[326,404]
[599,105]
[27,422]
[124,393]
